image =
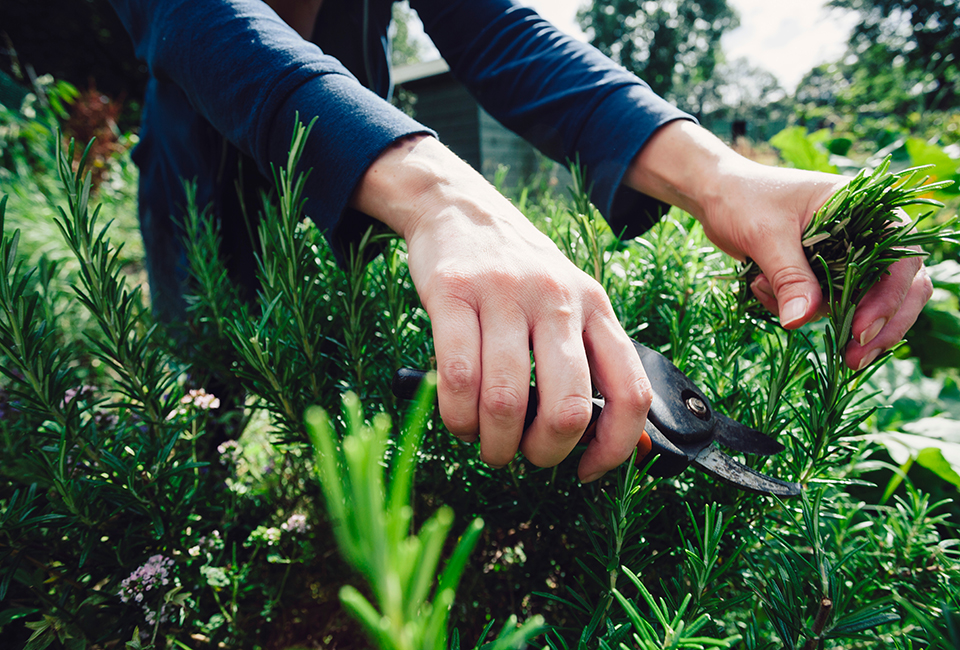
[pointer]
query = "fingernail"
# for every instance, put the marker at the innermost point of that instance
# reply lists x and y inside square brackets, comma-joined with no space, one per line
[871,332]
[793,311]
[869,358]
[590,478]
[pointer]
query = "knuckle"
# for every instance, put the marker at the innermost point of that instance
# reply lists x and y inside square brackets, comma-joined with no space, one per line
[570,416]
[458,376]
[789,276]
[503,402]
[638,396]
[452,283]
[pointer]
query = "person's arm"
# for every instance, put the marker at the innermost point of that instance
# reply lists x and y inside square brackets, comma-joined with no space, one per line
[249,74]
[570,100]
[562,95]
[492,284]
[496,288]
[752,210]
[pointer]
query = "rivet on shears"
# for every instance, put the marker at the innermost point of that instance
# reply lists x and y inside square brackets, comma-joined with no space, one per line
[697,407]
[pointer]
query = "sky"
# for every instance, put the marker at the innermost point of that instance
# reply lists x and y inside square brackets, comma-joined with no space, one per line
[787,38]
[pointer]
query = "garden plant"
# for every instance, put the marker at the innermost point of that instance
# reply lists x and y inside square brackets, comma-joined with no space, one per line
[247,479]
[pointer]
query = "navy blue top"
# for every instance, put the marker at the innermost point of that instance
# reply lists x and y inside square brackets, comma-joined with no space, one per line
[228,76]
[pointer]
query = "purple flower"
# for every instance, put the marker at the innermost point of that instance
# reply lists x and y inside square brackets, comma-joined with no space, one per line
[81,392]
[156,572]
[230,452]
[296,524]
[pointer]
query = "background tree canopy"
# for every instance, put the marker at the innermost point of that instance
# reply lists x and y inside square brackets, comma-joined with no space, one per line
[901,67]
[909,49]
[673,45]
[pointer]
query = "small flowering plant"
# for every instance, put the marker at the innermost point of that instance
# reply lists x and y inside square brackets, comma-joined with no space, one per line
[197,400]
[296,524]
[153,586]
[156,572]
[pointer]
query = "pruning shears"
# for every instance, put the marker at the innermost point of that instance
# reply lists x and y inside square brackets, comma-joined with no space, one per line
[682,428]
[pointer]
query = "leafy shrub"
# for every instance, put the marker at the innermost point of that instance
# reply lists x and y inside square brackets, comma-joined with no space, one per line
[130,514]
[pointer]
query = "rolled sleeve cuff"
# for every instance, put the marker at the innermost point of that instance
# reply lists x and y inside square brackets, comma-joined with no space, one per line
[354,126]
[611,139]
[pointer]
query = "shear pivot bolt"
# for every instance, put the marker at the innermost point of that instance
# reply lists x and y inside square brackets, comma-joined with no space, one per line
[697,407]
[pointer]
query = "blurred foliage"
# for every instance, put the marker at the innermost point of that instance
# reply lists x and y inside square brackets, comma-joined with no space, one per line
[673,46]
[77,41]
[908,51]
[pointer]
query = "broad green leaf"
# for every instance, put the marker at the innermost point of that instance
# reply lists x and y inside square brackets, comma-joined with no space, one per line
[946,274]
[934,444]
[944,167]
[934,460]
[803,150]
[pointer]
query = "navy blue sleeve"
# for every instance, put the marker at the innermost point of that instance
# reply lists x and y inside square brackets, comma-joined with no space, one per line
[564,96]
[248,73]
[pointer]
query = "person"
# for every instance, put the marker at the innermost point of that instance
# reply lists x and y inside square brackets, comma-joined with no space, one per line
[229,76]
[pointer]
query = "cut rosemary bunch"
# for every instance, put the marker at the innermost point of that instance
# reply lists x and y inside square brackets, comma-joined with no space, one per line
[861,230]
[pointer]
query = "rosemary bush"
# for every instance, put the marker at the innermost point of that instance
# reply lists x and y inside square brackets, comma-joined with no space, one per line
[139,506]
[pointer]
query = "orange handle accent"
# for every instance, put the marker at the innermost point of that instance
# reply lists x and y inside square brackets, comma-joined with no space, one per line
[644,446]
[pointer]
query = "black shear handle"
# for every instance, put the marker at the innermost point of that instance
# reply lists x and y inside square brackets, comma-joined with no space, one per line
[672,460]
[406,383]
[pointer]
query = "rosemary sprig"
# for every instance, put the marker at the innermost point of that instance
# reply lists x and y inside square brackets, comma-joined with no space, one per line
[851,242]
[854,238]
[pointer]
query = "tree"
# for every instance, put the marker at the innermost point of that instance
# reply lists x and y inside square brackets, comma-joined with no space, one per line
[752,96]
[674,45]
[912,45]
[404,47]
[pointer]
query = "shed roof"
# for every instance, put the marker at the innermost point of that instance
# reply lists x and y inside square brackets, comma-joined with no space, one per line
[417,71]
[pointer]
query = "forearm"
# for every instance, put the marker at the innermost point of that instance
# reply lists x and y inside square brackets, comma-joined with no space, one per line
[681,164]
[562,95]
[740,203]
[417,182]
[398,183]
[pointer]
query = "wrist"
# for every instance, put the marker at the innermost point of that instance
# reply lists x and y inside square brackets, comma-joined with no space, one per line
[388,189]
[684,165]
[413,177]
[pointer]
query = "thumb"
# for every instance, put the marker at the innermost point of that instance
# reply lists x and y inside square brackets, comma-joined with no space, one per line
[794,286]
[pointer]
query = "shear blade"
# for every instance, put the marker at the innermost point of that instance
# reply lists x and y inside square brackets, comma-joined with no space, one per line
[739,437]
[715,462]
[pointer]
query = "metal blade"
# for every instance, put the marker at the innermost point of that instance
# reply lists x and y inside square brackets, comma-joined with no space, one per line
[740,437]
[715,462]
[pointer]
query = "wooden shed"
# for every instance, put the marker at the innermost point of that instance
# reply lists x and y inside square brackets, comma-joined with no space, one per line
[443,104]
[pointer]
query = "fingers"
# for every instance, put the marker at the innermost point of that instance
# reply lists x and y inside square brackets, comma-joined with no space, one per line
[787,286]
[887,311]
[490,404]
[884,299]
[504,386]
[763,291]
[619,376]
[456,333]
[564,392]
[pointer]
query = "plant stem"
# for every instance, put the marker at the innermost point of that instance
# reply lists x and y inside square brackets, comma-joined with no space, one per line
[820,622]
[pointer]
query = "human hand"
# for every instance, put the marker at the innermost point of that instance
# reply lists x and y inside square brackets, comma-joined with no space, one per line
[757,211]
[496,288]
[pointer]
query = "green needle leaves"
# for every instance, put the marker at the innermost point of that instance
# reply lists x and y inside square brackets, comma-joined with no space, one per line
[854,238]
